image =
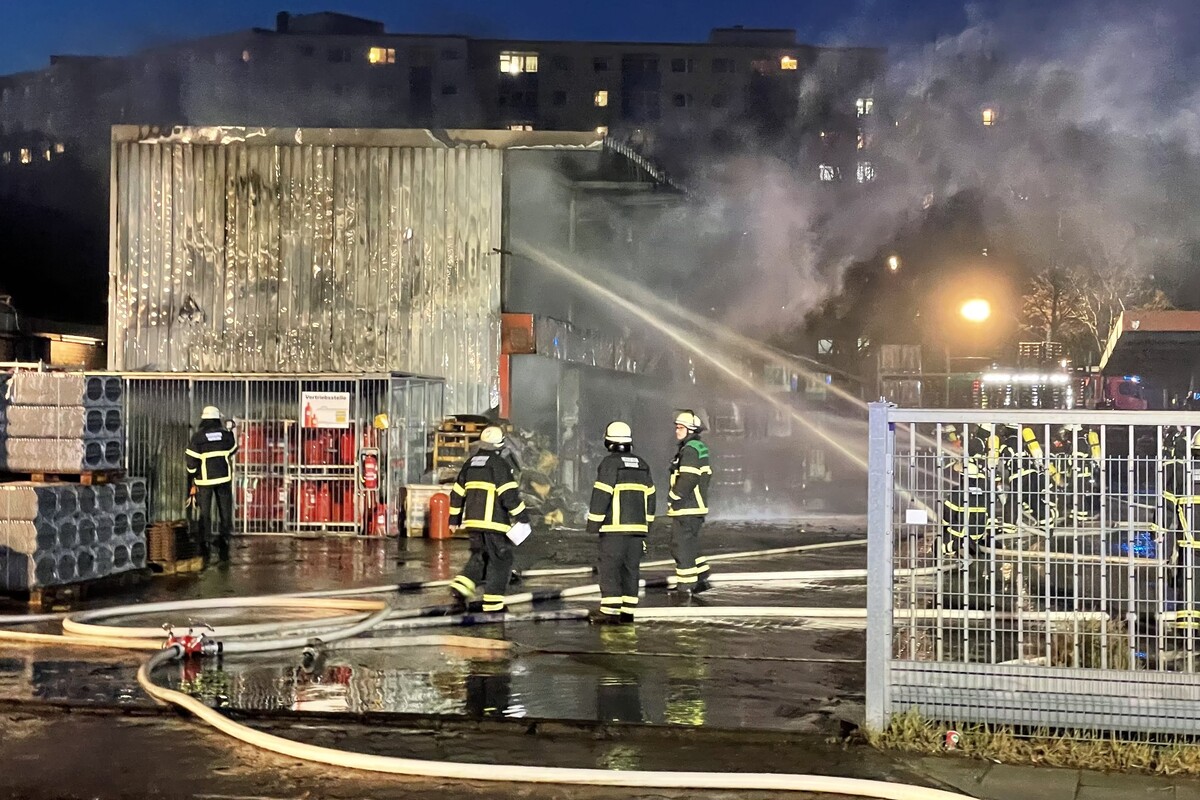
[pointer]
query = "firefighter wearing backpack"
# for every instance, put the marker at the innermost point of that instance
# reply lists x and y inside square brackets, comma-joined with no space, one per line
[687,504]
[621,511]
[485,501]
[209,462]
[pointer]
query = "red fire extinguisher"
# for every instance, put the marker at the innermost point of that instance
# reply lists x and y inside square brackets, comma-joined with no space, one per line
[368,468]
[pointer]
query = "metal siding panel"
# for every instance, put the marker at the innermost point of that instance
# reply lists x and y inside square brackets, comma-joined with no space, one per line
[310,259]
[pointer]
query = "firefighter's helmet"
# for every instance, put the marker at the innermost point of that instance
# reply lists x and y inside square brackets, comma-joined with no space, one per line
[210,412]
[493,435]
[689,420]
[618,433]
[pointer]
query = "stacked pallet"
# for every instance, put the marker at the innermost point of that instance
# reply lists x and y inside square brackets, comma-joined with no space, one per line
[52,534]
[61,422]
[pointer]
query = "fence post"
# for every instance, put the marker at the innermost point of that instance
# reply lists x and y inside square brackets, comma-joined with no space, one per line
[879,567]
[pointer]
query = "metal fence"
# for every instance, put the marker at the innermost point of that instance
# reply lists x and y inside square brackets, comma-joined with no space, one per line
[304,442]
[1035,568]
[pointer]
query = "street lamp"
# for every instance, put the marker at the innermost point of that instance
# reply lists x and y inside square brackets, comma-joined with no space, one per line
[976,310]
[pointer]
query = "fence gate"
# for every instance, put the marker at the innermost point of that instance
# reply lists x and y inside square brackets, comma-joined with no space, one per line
[1035,568]
[303,444]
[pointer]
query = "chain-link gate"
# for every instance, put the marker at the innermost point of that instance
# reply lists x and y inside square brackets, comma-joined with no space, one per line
[329,453]
[1035,568]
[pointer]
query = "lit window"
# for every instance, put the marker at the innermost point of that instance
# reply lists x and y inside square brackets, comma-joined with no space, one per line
[26,155]
[865,172]
[520,126]
[602,130]
[58,148]
[864,140]
[381,55]
[989,117]
[788,62]
[824,347]
[46,154]
[246,56]
[515,63]
[864,105]
[827,172]
[6,157]
[601,99]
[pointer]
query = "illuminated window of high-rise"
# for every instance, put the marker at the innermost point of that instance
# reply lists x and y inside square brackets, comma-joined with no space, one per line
[514,63]
[382,55]
[865,172]
[864,105]
[520,126]
[46,154]
[6,157]
[602,130]
[788,62]
[827,172]
[989,117]
[246,56]
[59,148]
[601,98]
[26,155]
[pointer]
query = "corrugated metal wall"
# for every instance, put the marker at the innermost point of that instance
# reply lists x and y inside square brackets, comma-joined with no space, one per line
[240,256]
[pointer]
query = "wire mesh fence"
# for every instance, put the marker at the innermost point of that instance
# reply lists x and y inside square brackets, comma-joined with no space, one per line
[330,453]
[1035,568]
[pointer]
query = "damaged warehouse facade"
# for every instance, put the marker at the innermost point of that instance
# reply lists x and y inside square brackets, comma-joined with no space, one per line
[309,252]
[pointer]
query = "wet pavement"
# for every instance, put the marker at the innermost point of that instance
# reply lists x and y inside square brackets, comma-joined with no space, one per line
[738,674]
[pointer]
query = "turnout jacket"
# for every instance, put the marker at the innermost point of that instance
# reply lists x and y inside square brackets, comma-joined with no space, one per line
[690,476]
[210,454]
[622,497]
[485,497]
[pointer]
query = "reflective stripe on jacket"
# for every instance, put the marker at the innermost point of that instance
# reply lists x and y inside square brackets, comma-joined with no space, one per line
[622,497]
[690,476]
[485,497]
[210,454]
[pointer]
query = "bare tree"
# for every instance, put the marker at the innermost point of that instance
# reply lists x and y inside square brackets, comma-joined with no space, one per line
[1078,306]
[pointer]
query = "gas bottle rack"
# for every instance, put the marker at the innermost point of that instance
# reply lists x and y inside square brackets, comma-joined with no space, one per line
[301,478]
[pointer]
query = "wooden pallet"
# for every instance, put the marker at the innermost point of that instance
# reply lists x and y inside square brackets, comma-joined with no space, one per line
[61,597]
[182,566]
[86,478]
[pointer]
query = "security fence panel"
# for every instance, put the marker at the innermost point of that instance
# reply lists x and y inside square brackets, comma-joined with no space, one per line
[1035,568]
[311,449]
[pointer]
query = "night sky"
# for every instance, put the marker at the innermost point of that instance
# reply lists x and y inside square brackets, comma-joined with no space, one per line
[32,31]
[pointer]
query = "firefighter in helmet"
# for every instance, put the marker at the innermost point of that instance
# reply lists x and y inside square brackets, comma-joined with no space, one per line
[965,505]
[1079,455]
[687,503]
[485,501]
[1031,480]
[209,462]
[621,511]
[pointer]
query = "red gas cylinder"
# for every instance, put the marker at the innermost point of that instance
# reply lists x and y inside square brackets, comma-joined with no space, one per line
[314,452]
[346,454]
[347,503]
[380,526]
[308,503]
[324,503]
[439,516]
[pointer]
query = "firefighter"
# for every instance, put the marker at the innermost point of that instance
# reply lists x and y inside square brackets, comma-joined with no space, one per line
[209,461]
[621,511]
[687,503]
[485,501]
[1080,456]
[965,508]
[1029,476]
[1181,512]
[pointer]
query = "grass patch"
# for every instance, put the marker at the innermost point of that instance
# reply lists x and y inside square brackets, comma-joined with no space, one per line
[1095,750]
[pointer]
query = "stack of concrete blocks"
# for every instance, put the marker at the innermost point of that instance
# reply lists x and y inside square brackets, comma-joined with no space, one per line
[59,533]
[62,422]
